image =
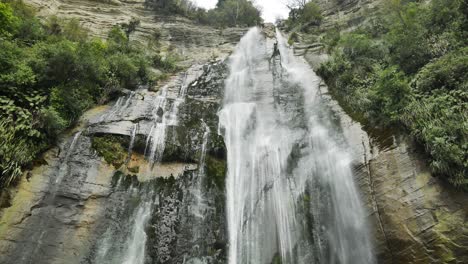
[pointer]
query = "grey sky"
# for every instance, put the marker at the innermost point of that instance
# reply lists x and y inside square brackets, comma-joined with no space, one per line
[270,8]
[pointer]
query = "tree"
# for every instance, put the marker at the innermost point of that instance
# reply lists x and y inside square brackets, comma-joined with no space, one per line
[311,13]
[304,13]
[296,4]
[7,20]
[131,26]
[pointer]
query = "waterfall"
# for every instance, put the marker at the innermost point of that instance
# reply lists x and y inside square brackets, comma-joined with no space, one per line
[126,242]
[155,141]
[122,103]
[290,190]
[132,142]
[198,191]
[206,135]
[135,252]
[64,165]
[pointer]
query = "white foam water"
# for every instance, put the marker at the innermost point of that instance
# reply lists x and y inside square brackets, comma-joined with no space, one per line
[286,168]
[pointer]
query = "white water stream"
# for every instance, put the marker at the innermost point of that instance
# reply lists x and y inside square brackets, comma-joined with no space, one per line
[286,165]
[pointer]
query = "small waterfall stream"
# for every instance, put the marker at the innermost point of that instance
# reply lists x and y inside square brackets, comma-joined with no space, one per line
[132,142]
[290,191]
[63,167]
[127,244]
[136,243]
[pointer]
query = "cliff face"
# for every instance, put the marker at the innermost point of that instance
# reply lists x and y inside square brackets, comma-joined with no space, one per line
[74,207]
[347,13]
[417,217]
[191,42]
[70,208]
[165,208]
[342,15]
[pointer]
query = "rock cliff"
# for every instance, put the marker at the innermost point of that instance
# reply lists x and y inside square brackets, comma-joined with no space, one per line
[75,208]
[417,217]
[69,208]
[191,42]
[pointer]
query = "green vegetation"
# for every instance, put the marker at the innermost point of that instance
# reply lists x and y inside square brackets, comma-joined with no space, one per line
[409,68]
[50,73]
[111,148]
[167,63]
[303,14]
[216,170]
[228,13]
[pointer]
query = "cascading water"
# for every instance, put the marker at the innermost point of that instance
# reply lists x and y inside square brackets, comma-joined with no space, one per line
[136,245]
[126,244]
[129,246]
[290,190]
[63,167]
[122,103]
[198,191]
[132,142]
[162,119]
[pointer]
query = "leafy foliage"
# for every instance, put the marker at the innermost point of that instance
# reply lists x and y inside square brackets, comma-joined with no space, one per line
[304,14]
[50,73]
[410,68]
[111,149]
[228,13]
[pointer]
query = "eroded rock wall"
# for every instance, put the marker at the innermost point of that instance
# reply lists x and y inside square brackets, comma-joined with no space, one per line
[192,43]
[76,208]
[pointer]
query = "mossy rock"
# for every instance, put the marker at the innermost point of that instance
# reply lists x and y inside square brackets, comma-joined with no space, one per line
[276,259]
[217,147]
[125,180]
[174,152]
[140,144]
[216,170]
[111,148]
[135,169]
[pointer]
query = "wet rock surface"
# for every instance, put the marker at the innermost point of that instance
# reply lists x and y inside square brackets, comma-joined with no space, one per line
[76,208]
[416,217]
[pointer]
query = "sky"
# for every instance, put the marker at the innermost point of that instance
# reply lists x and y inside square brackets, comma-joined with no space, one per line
[270,8]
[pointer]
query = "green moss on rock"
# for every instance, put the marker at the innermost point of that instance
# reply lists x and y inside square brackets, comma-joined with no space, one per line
[277,259]
[216,170]
[111,148]
[135,169]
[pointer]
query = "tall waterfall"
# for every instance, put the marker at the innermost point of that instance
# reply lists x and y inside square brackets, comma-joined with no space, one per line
[290,190]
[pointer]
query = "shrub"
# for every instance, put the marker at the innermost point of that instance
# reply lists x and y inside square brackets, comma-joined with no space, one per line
[124,69]
[439,122]
[111,149]
[7,20]
[294,37]
[407,40]
[310,14]
[449,72]
[167,64]
[117,39]
[50,73]
[411,70]
[52,123]
[389,95]
[304,15]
